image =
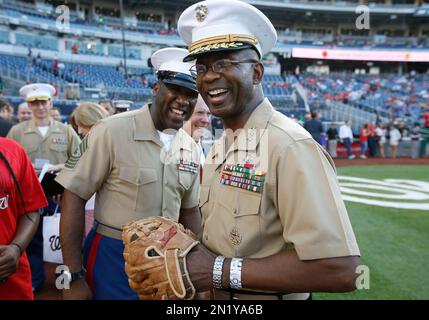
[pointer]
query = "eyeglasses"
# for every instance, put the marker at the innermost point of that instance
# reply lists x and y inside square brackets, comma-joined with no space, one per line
[218,66]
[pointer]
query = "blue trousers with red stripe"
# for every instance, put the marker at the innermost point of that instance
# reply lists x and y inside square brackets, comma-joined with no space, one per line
[105,266]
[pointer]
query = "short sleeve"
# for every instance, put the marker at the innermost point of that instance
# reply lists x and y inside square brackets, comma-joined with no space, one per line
[191,197]
[74,140]
[32,192]
[89,166]
[310,206]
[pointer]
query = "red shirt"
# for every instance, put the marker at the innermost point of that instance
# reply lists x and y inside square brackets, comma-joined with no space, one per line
[18,285]
[426,119]
[364,135]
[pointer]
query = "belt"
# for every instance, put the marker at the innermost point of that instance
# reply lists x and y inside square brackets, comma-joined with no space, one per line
[230,294]
[108,231]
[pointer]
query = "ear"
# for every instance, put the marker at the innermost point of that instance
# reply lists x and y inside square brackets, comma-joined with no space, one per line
[155,89]
[258,72]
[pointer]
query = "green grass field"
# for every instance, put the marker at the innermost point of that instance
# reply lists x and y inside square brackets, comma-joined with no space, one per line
[394,243]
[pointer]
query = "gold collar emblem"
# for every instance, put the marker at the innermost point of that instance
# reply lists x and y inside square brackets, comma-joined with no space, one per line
[201,12]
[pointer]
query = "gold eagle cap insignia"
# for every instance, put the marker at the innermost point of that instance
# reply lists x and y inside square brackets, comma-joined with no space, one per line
[201,12]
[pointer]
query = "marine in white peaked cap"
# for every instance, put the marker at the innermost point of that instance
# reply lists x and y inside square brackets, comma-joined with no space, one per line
[170,68]
[136,162]
[274,223]
[222,25]
[37,91]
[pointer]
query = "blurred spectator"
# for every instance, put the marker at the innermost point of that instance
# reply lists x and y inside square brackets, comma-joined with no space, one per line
[314,127]
[74,48]
[6,111]
[332,134]
[346,137]
[143,80]
[55,113]
[395,138]
[198,127]
[120,106]
[56,66]
[372,140]
[86,115]
[426,119]
[380,131]
[107,105]
[416,137]
[403,130]
[24,113]
[363,137]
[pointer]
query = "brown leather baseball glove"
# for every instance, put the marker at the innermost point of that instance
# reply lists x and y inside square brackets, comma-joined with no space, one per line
[155,258]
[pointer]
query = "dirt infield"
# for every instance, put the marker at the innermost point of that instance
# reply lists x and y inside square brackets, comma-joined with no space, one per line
[344,162]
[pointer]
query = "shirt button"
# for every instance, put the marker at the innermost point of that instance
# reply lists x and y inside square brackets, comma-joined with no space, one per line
[235,211]
[207,237]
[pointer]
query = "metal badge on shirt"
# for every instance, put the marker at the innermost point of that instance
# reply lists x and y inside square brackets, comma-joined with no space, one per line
[60,141]
[243,176]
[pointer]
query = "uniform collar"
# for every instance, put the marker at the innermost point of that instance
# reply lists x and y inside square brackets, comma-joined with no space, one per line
[250,135]
[32,127]
[145,131]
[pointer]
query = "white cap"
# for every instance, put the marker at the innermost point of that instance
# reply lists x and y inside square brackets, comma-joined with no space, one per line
[122,104]
[170,67]
[37,91]
[221,25]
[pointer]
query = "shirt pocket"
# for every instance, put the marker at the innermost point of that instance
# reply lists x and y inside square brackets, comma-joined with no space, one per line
[138,189]
[58,147]
[138,176]
[186,178]
[30,148]
[241,208]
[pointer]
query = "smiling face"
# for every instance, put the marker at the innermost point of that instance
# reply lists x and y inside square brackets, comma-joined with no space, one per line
[172,105]
[40,108]
[24,112]
[201,118]
[229,92]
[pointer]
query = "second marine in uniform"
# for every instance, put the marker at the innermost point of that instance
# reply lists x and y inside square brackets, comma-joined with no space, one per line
[140,164]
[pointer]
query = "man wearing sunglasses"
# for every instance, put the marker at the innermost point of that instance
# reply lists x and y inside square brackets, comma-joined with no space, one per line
[134,161]
[274,223]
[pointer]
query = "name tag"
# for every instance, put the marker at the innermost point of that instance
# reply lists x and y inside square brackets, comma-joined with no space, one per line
[60,141]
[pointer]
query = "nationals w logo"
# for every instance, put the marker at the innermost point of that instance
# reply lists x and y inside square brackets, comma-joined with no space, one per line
[4,202]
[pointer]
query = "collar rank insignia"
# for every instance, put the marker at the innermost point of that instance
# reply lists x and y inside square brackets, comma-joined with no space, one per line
[243,176]
[186,165]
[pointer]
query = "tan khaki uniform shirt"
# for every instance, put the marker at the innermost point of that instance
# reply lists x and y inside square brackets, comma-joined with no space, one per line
[123,160]
[56,146]
[300,205]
